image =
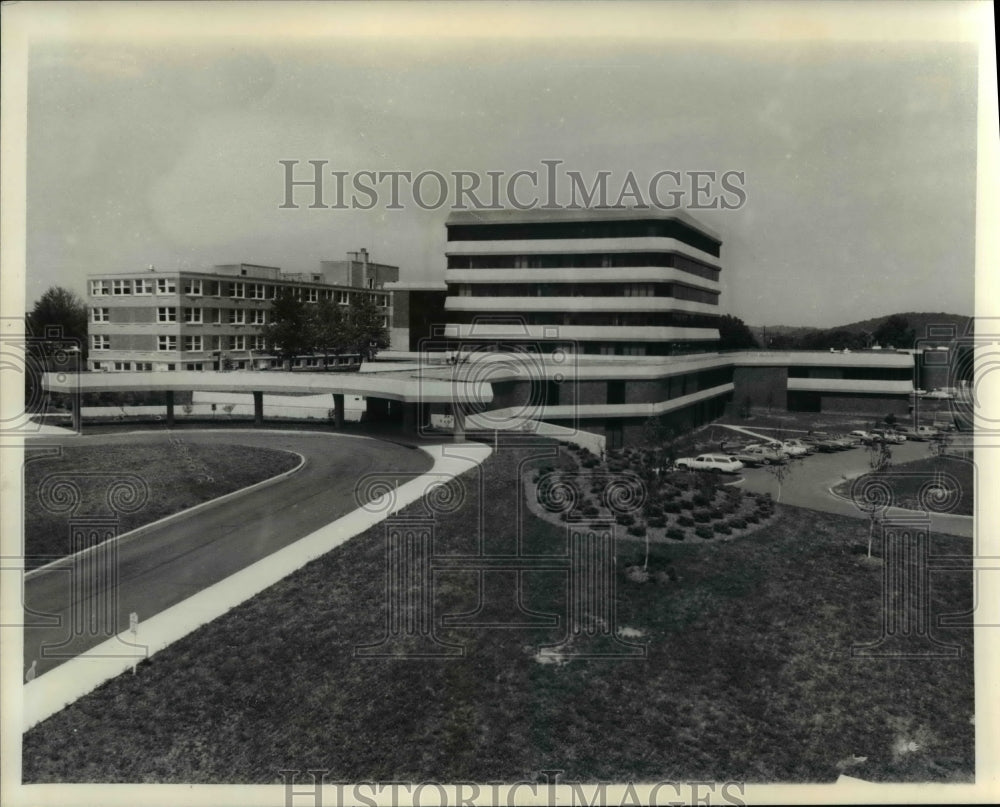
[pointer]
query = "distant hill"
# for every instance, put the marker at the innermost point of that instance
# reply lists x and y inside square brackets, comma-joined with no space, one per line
[856,334]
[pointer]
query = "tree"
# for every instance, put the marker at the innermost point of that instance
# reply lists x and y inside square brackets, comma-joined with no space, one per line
[661,437]
[329,329]
[890,420]
[734,334]
[366,330]
[289,332]
[879,461]
[780,471]
[59,308]
[895,331]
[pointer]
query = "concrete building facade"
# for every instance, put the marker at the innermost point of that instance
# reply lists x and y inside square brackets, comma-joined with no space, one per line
[203,320]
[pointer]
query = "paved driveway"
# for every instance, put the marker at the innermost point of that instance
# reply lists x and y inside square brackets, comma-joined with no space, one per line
[811,478]
[168,562]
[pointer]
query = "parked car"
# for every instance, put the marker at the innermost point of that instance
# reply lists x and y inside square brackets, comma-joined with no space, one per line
[889,436]
[823,442]
[795,443]
[716,463]
[864,436]
[927,433]
[764,454]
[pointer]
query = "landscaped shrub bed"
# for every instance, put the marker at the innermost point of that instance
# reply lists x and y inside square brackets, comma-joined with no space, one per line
[672,506]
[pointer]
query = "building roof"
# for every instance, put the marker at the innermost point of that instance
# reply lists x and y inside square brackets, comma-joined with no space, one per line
[537,215]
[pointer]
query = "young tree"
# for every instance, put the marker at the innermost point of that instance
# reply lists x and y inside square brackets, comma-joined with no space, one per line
[366,329]
[879,461]
[780,471]
[289,331]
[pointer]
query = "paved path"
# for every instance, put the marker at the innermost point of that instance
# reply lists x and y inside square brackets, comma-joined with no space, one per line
[812,477]
[165,563]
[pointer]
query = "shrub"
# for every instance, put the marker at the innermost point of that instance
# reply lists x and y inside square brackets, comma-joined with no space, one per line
[687,504]
[723,528]
[590,510]
[686,521]
[716,512]
[625,519]
[738,523]
[657,521]
[671,507]
[637,530]
[704,532]
[752,518]
[676,534]
[654,511]
[591,462]
[702,516]
[701,500]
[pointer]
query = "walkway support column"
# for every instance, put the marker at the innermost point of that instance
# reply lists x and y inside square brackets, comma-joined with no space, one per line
[76,412]
[409,418]
[458,429]
[258,408]
[170,408]
[338,410]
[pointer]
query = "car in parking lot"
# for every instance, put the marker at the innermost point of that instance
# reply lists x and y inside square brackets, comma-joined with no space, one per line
[889,436]
[824,441]
[716,463]
[866,437]
[798,447]
[920,433]
[764,454]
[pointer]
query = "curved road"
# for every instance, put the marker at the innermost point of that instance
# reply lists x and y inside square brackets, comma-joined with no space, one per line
[808,484]
[161,564]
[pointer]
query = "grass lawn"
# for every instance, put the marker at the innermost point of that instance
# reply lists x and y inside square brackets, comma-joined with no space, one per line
[916,474]
[182,476]
[748,675]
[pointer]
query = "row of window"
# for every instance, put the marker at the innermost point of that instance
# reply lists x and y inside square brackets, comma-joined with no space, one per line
[193,342]
[657,319]
[636,228]
[238,290]
[195,316]
[589,260]
[674,290]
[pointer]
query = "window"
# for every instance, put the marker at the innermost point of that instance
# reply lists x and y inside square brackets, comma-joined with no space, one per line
[212,288]
[217,317]
[166,315]
[257,343]
[237,316]
[312,295]
[192,343]
[166,285]
[121,287]
[343,298]
[99,315]
[258,317]
[145,366]
[215,342]
[122,365]
[237,343]
[192,287]
[100,342]
[98,288]
[238,290]
[257,291]
[383,301]
[144,287]
[166,343]
[193,316]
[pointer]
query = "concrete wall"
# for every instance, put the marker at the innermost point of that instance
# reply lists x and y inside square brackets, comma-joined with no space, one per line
[864,404]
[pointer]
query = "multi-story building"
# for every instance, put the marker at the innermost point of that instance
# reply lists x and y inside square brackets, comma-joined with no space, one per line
[610,282]
[205,320]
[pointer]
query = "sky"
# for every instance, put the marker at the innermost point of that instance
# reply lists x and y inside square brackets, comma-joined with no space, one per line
[859,157]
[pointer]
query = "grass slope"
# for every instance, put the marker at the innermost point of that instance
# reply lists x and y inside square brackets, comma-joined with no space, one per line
[749,672]
[907,479]
[182,476]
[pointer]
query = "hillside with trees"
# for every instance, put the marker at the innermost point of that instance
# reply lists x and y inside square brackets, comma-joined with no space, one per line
[893,330]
